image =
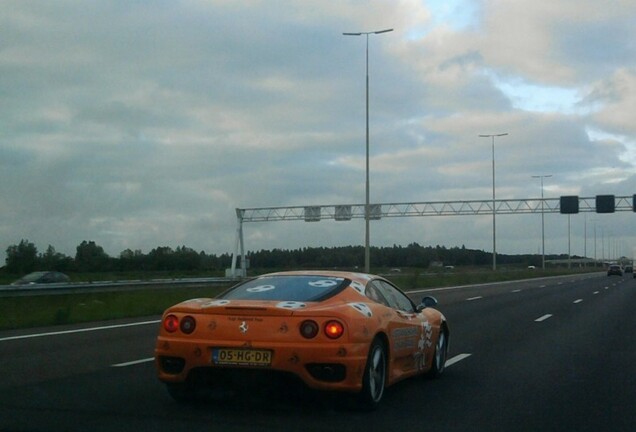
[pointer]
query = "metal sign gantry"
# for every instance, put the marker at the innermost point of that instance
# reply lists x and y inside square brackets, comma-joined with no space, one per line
[340,212]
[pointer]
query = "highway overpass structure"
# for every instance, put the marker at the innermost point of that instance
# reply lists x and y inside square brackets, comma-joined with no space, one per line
[346,212]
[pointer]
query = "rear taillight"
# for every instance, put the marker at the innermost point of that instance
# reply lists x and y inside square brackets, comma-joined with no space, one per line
[309,329]
[334,329]
[188,324]
[171,323]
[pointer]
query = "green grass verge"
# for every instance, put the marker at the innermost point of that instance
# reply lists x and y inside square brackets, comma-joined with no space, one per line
[422,280]
[46,310]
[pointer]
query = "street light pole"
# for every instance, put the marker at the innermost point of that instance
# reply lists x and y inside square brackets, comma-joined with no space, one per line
[542,224]
[494,235]
[542,221]
[569,244]
[367,254]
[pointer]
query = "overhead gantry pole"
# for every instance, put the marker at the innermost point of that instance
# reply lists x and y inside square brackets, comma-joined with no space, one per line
[239,245]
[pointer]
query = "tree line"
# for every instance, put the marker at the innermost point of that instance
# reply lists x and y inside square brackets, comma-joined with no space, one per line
[90,257]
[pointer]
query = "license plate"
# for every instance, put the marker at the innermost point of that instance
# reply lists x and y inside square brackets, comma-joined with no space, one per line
[241,357]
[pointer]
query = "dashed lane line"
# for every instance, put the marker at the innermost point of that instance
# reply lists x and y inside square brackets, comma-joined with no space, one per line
[134,362]
[456,359]
[82,330]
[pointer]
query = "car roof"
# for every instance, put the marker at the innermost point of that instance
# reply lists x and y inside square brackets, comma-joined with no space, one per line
[354,276]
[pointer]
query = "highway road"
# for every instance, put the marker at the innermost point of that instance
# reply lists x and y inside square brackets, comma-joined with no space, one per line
[552,354]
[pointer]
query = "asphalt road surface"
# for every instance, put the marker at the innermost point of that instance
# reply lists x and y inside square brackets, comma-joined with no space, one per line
[543,355]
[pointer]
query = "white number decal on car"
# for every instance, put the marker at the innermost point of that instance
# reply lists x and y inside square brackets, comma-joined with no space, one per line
[261,288]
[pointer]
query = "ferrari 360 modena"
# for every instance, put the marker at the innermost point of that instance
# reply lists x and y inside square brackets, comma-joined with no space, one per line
[336,331]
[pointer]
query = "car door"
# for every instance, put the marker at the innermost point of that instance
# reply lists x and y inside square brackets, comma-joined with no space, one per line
[405,332]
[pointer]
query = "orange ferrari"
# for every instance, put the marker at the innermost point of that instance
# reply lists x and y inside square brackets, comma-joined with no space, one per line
[336,331]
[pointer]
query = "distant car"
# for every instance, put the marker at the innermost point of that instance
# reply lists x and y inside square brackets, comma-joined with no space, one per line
[337,331]
[615,269]
[42,277]
[629,269]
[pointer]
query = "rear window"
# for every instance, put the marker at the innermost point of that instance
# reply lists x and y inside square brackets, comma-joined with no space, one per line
[287,288]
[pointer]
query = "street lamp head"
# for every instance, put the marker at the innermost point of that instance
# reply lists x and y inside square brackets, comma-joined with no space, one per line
[493,135]
[367,33]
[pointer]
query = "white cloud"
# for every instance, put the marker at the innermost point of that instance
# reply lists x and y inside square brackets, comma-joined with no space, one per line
[138,125]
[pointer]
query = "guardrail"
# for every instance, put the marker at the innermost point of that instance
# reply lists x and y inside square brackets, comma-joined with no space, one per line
[102,286]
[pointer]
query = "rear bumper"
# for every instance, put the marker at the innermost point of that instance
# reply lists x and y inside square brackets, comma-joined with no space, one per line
[323,366]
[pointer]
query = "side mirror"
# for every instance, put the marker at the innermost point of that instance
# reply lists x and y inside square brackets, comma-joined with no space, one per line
[427,302]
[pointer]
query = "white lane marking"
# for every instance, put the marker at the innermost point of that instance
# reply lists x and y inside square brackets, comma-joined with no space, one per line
[474,298]
[516,291]
[543,318]
[578,301]
[134,362]
[457,358]
[595,292]
[90,329]
[459,287]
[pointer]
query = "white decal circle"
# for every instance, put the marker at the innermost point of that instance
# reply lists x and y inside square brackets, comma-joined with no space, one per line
[324,283]
[215,303]
[291,305]
[358,286]
[363,308]
[260,288]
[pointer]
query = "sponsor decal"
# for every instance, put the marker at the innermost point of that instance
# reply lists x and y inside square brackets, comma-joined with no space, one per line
[405,337]
[246,319]
[425,341]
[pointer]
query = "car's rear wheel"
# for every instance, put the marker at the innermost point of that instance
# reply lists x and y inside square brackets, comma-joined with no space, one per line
[374,379]
[441,352]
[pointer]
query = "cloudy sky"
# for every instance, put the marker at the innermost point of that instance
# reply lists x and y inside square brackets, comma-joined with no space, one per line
[139,124]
